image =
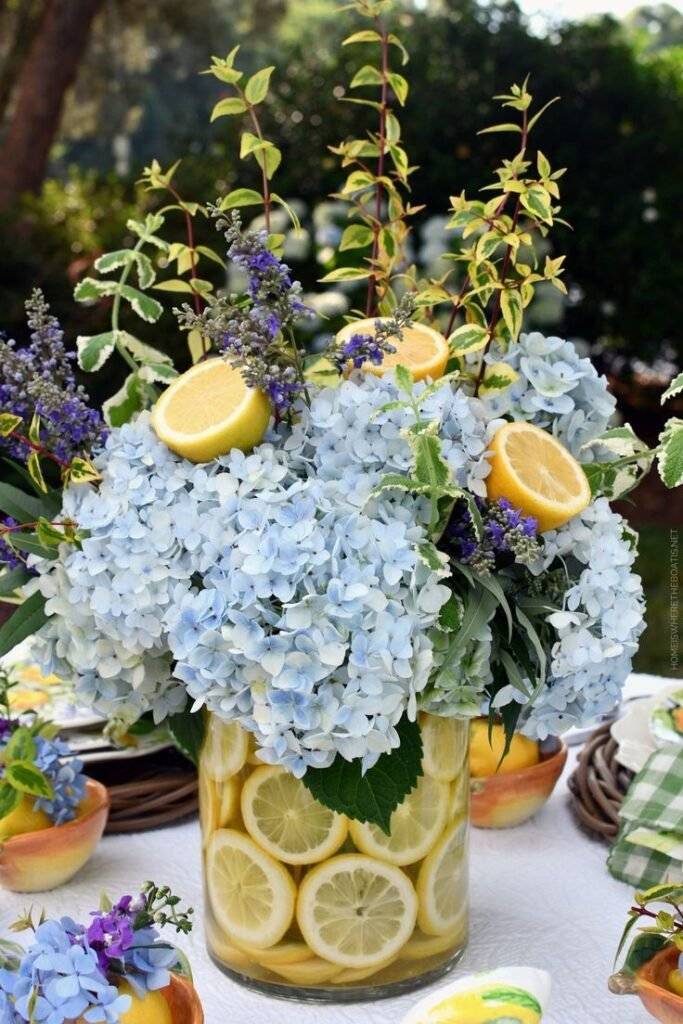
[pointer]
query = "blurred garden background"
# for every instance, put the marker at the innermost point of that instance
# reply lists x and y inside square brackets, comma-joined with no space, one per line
[91,91]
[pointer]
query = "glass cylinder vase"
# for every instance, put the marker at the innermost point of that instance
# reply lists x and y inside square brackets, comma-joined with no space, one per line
[304,903]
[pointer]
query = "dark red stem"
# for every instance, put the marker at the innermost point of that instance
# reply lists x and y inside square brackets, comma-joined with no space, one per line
[496,310]
[189,228]
[38,448]
[370,304]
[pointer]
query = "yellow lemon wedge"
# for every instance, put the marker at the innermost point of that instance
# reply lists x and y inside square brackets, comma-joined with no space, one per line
[356,911]
[208,411]
[676,982]
[537,474]
[485,753]
[23,819]
[152,1008]
[421,349]
[284,818]
[252,896]
[415,825]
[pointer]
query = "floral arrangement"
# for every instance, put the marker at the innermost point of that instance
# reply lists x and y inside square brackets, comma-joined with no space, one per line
[657,919]
[94,971]
[38,769]
[361,562]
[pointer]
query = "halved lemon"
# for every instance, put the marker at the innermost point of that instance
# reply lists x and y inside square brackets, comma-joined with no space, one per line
[284,818]
[356,911]
[442,883]
[252,896]
[315,971]
[421,349]
[537,474]
[415,825]
[444,746]
[208,410]
[225,749]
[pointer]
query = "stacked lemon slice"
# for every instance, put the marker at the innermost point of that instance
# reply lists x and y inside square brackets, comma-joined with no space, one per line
[301,894]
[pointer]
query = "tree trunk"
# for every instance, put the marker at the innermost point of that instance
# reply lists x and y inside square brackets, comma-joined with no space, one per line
[50,68]
[25,25]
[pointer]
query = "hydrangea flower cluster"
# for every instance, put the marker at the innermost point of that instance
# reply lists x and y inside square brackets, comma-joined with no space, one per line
[39,379]
[64,772]
[74,972]
[595,634]
[556,389]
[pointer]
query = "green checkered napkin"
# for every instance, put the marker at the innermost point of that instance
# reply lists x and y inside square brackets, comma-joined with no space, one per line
[648,848]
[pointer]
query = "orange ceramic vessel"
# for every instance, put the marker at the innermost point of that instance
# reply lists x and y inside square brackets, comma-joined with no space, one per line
[651,985]
[38,861]
[506,800]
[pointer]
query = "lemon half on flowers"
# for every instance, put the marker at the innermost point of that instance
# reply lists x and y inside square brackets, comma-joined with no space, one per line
[537,474]
[421,349]
[208,411]
[356,911]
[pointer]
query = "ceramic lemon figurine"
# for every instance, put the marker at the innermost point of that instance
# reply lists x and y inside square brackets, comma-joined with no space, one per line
[515,995]
[116,967]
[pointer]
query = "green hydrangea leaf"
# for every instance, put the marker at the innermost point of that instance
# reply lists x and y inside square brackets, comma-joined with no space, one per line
[188,729]
[25,621]
[372,797]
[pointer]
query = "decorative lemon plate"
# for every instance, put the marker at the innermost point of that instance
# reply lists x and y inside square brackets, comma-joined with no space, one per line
[509,995]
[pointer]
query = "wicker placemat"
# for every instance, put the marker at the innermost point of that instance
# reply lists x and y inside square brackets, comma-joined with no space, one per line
[148,792]
[598,785]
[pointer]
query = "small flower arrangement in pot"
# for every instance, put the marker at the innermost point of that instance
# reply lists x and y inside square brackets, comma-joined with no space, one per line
[116,969]
[51,816]
[653,964]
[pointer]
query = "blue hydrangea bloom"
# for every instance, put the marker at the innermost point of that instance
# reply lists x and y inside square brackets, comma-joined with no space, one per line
[598,628]
[65,772]
[556,388]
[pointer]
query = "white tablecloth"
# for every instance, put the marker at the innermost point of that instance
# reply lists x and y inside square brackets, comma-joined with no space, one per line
[540,896]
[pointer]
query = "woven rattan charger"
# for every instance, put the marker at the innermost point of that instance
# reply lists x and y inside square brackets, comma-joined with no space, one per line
[598,785]
[148,792]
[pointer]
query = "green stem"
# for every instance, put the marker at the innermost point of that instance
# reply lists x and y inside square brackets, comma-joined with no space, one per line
[371,301]
[116,309]
[265,184]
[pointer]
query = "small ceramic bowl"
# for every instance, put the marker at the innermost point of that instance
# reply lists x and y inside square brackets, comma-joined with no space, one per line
[651,985]
[183,1000]
[506,800]
[38,861]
